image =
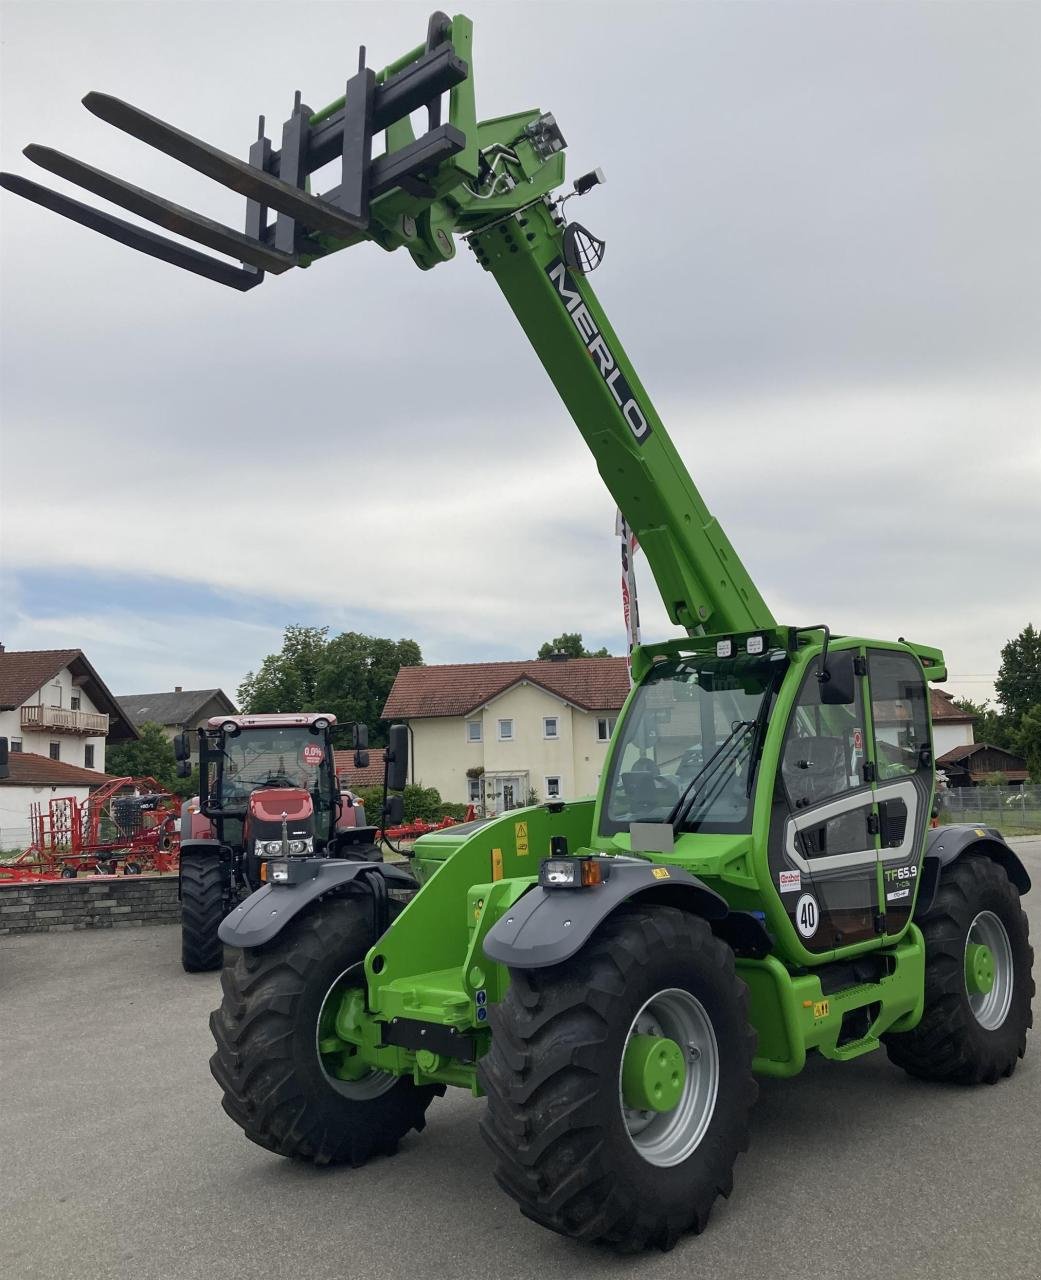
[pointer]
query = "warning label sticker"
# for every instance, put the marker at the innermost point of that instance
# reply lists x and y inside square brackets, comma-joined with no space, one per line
[520,832]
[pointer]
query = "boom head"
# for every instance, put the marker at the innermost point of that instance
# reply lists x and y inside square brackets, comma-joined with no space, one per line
[456,177]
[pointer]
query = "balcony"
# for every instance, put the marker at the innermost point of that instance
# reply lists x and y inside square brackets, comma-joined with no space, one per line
[61,720]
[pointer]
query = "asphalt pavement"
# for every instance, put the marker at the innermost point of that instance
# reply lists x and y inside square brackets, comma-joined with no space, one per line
[117,1161]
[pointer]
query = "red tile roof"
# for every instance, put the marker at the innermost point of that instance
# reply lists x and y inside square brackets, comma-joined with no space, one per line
[31,770]
[21,674]
[941,704]
[352,778]
[24,672]
[594,684]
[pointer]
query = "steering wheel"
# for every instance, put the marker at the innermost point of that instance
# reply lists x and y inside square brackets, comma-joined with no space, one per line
[648,789]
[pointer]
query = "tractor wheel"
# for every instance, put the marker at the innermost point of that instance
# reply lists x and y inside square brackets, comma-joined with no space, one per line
[620,1082]
[978,985]
[288,1081]
[68,873]
[204,904]
[131,868]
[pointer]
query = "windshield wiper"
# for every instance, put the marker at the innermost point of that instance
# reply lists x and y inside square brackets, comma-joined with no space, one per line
[688,795]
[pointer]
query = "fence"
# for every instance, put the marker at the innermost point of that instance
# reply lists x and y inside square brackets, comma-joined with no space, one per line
[1013,810]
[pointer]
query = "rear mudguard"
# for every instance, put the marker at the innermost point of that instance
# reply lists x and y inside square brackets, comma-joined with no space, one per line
[266,913]
[945,845]
[547,926]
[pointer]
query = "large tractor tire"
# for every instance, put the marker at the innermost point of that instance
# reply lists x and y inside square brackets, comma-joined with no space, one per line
[288,1083]
[620,1082]
[204,904]
[978,983]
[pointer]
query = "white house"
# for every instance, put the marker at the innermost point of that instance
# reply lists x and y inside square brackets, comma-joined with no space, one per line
[37,780]
[493,733]
[54,704]
[952,727]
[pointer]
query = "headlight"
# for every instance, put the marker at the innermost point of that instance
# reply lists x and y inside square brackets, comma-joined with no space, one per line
[298,847]
[270,847]
[572,873]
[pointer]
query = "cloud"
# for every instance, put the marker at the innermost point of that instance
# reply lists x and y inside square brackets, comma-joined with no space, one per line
[822,259]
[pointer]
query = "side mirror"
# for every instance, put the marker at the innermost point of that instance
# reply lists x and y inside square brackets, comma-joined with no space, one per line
[5,767]
[184,768]
[361,759]
[393,811]
[839,683]
[397,757]
[360,737]
[182,748]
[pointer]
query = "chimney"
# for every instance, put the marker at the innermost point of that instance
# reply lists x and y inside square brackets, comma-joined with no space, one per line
[177,689]
[2,649]
[558,655]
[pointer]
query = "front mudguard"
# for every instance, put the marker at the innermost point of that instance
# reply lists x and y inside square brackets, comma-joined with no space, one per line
[265,913]
[945,845]
[548,926]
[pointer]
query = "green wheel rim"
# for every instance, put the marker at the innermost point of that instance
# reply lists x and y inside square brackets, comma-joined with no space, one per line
[672,1021]
[336,1056]
[989,970]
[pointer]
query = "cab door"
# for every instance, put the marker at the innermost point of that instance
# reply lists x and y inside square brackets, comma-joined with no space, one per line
[904,783]
[823,844]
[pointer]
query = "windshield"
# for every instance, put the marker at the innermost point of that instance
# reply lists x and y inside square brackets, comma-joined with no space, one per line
[291,757]
[685,749]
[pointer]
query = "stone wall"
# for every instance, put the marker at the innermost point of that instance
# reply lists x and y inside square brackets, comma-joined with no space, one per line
[60,906]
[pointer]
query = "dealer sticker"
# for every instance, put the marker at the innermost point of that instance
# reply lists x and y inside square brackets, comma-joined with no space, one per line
[313,754]
[790,881]
[899,893]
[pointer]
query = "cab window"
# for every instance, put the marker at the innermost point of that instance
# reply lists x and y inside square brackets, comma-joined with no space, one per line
[901,714]
[824,746]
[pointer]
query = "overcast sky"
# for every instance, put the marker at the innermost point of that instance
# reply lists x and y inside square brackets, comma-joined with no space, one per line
[823,258]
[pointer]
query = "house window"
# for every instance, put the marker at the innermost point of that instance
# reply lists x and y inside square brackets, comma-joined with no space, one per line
[88,756]
[55,751]
[550,727]
[473,790]
[473,730]
[16,744]
[505,730]
[552,788]
[604,729]
[74,702]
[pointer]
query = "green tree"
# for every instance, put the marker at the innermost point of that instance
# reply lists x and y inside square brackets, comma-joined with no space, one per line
[350,676]
[150,757]
[287,680]
[571,644]
[1019,677]
[1027,741]
[988,723]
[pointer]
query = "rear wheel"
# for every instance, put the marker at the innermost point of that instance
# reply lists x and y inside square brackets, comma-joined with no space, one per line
[204,904]
[289,1082]
[978,984]
[620,1082]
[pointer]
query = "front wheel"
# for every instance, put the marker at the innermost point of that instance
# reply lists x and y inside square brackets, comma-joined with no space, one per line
[204,904]
[978,984]
[289,1081]
[620,1082]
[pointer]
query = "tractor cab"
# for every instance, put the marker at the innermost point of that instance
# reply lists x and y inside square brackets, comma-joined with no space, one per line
[268,788]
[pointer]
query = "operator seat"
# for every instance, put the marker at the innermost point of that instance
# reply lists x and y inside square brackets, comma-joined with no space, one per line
[814,769]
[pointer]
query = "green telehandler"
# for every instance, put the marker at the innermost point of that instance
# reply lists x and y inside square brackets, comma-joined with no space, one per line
[757,878]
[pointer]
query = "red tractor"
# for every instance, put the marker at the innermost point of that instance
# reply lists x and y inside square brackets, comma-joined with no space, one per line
[268,793]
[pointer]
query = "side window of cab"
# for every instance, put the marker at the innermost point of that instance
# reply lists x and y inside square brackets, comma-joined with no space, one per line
[901,715]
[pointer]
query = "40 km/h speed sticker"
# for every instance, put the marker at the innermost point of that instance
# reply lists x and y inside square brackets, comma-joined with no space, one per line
[807,915]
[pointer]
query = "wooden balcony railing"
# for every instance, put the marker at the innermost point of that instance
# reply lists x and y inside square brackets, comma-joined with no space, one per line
[62,720]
